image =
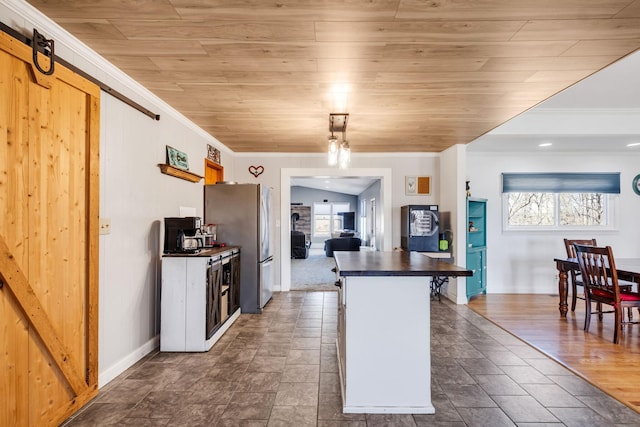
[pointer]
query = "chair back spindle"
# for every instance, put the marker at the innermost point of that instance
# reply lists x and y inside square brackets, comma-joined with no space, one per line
[575,275]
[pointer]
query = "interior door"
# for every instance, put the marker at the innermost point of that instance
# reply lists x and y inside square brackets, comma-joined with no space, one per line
[213,172]
[49,128]
[373,221]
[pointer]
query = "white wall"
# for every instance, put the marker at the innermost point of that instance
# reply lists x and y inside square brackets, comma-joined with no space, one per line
[522,262]
[401,165]
[453,200]
[133,194]
[405,164]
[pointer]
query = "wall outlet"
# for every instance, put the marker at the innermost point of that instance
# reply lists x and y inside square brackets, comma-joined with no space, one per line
[105,226]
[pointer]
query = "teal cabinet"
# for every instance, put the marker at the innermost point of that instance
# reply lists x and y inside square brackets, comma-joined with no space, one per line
[477,263]
[477,246]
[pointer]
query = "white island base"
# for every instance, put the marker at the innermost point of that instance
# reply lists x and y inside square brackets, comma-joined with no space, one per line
[384,344]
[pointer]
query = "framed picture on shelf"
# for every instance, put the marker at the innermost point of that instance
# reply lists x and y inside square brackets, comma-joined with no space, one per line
[177,158]
[213,153]
[417,185]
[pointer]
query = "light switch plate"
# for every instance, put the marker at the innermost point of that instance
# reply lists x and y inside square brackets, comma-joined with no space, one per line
[105,226]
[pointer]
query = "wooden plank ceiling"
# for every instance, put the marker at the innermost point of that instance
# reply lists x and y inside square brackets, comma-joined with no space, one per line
[421,75]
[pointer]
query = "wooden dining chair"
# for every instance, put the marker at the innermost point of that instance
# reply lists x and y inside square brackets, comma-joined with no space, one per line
[600,282]
[575,275]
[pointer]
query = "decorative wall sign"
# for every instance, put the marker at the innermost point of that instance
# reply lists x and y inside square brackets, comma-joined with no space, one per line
[417,185]
[177,158]
[256,170]
[213,153]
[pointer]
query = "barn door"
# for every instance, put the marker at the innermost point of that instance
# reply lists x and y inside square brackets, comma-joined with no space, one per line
[49,129]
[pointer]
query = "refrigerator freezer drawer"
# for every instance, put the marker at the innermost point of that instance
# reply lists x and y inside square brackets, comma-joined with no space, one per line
[266,281]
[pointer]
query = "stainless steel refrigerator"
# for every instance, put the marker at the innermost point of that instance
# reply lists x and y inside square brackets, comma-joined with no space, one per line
[242,213]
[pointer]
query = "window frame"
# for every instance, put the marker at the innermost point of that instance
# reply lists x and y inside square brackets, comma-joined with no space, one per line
[605,183]
[333,216]
[610,214]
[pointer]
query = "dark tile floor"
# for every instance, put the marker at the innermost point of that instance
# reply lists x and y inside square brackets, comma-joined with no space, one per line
[280,369]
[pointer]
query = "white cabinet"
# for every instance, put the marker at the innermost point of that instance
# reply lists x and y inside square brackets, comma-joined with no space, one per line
[192,302]
[384,344]
[384,330]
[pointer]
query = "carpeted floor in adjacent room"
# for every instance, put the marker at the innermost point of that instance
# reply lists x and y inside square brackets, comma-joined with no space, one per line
[313,273]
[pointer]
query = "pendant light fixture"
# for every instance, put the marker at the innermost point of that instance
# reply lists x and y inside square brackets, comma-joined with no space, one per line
[339,152]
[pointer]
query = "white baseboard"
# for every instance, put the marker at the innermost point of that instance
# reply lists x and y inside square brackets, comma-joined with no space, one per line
[125,363]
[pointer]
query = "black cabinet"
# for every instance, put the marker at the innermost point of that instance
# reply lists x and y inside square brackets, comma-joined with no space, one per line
[214,284]
[230,285]
[234,297]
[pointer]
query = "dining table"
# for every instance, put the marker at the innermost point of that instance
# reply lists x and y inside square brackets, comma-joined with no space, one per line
[628,270]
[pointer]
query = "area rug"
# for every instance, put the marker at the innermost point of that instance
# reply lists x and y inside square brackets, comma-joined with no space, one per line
[313,273]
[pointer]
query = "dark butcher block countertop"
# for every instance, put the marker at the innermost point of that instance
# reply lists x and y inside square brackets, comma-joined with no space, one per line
[371,263]
[205,252]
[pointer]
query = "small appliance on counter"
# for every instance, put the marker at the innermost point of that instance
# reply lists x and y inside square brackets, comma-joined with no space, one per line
[210,235]
[419,229]
[446,237]
[182,235]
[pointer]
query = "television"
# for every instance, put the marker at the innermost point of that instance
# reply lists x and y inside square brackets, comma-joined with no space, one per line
[348,220]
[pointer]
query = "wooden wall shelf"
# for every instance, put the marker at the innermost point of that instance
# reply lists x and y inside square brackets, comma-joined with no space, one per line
[179,173]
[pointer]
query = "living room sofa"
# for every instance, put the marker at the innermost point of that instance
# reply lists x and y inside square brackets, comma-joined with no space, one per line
[341,244]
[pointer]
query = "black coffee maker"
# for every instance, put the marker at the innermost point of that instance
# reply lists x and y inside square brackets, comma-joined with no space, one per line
[182,235]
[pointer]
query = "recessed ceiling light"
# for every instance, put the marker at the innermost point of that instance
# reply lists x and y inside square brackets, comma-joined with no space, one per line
[633,144]
[545,144]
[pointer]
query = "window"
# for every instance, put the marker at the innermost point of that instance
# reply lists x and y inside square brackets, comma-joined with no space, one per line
[558,201]
[326,219]
[556,209]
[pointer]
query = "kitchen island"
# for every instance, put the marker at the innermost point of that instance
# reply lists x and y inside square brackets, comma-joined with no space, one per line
[384,330]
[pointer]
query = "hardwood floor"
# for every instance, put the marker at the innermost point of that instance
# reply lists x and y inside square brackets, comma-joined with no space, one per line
[615,369]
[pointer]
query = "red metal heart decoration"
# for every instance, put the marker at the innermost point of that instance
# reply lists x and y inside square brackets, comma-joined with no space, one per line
[256,170]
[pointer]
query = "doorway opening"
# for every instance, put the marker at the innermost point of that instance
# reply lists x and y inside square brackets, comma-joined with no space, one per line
[383,208]
[372,222]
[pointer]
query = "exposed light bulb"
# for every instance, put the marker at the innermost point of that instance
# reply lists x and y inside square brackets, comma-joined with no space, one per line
[339,96]
[333,151]
[344,155]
